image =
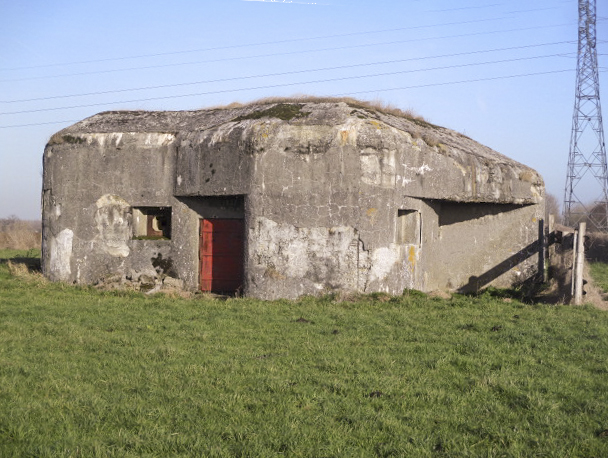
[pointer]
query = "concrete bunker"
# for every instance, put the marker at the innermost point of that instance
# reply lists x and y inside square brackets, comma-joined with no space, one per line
[285,199]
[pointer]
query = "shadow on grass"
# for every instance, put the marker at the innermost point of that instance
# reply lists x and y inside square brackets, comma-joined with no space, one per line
[30,258]
[531,292]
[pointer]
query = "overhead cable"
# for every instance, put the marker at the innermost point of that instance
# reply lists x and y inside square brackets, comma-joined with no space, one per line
[291,40]
[38,110]
[165,86]
[419,86]
[225,59]
[550,72]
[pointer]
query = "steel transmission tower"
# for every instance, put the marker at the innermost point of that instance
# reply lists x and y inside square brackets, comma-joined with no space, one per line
[587,173]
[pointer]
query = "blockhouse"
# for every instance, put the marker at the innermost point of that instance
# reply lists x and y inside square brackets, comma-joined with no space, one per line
[283,199]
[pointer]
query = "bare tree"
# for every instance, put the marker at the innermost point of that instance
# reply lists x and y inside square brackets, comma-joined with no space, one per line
[552,207]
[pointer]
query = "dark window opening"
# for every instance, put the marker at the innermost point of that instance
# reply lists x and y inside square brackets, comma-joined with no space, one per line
[152,223]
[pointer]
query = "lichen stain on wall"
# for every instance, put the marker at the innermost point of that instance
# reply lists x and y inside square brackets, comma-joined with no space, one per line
[219,135]
[383,261]
[113,221]
[378,168]
[118,139]
[61,255]
[370,168]
[328,256]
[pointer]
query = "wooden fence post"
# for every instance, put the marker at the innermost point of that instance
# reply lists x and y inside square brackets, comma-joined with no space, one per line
[574,257]
[580,264]
[542,250]
[550,240]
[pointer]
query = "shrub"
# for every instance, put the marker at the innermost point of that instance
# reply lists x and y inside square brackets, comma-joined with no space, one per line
[16,234]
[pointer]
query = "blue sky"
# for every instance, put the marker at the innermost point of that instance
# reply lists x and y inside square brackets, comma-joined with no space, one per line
[458,64]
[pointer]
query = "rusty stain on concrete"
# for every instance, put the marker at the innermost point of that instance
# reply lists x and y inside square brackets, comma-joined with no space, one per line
[412,256]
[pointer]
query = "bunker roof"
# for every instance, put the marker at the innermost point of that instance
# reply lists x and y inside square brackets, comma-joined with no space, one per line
[306,112]
[295,111]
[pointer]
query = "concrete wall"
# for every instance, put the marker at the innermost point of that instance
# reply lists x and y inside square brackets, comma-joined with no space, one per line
[470,246]
[324,204]
[334,199]
[90,184]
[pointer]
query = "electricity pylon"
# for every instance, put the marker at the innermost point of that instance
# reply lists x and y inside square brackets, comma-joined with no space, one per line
[587,159]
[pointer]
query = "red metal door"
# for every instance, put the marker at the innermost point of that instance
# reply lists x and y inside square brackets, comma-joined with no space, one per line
[221,255]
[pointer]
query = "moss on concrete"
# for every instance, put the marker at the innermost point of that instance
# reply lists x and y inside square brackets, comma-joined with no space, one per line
[70,139]
[283,111]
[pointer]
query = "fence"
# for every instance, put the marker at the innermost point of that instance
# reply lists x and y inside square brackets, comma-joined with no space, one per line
[564,249]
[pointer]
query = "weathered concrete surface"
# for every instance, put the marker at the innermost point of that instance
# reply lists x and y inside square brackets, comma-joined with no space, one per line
[90,184]
[335,197]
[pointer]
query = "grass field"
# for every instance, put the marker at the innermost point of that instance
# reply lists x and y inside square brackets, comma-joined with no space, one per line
[599,272]
[87,373]
[19,254]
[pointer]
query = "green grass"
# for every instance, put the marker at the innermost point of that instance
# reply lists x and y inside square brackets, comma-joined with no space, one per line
[29,259]
[599,272]
[6,254]
[87,373]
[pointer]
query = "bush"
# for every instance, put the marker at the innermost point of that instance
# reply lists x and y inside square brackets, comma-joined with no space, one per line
[16,234]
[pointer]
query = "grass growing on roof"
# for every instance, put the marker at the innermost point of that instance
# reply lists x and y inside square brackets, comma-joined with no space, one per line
[87,373]
[373,105]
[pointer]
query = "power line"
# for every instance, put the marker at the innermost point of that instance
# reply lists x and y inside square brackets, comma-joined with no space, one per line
[445,83]
[165,86]
[40,123]
[466,8]
[271,86]
[412,40]
[292,40]
[420,86]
